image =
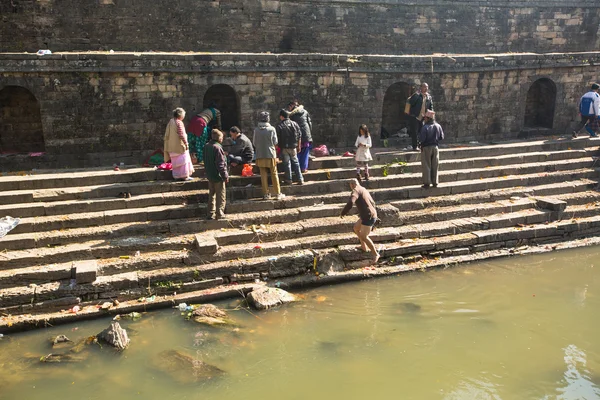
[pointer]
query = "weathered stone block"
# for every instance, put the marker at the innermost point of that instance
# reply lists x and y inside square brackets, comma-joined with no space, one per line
[86,271]
[550,203]
[206,243]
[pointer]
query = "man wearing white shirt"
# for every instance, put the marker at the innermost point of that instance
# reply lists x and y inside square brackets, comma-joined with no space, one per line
[589,109]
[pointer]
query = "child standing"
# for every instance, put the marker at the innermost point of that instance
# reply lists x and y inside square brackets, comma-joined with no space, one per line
[363,154]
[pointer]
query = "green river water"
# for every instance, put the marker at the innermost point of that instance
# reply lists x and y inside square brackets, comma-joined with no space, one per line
[514,328]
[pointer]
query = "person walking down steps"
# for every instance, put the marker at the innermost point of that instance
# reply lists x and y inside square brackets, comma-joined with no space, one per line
[367,217]
[429,138]
[363,153]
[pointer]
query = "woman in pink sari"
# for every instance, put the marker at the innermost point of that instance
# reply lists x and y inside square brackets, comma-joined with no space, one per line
[176,147]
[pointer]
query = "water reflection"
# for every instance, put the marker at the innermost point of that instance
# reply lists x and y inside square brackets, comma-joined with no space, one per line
[522,328]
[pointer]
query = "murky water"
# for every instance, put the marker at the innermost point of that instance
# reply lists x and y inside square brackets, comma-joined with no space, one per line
[518,328]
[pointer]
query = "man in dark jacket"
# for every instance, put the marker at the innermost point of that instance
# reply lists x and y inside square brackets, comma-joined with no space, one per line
[429,139]
[420,102]
[239,148]
[289,139]
[216,172]
[300,116]
[367,216]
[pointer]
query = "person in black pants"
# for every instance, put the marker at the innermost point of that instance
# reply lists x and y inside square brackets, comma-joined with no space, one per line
[417,105]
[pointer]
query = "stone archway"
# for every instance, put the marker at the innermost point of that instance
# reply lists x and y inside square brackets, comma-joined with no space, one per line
[20,121]
[227,102]
[393,118]
[540,104]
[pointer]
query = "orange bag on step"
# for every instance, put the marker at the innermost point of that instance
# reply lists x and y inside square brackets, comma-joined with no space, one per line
[247,170]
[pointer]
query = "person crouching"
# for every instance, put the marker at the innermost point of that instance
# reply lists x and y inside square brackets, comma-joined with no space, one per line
[216,172]
[367,216]
[429,137]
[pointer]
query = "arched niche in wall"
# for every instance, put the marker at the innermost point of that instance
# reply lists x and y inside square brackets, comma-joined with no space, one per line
[21,128]
[226,99]
[540,104]
[393,118]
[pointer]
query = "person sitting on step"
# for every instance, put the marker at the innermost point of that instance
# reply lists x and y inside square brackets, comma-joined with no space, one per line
[238,148]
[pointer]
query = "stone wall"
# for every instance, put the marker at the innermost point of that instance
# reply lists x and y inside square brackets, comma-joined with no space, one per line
[306,26]
[106,103]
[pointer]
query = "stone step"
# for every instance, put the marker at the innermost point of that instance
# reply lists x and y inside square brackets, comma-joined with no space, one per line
[66,178]
[76,220]
[39,208]
[465,152]
[138,181]
[289,210]
[55,312]
[290,262]
[128,174]
[293,239]
[121,246]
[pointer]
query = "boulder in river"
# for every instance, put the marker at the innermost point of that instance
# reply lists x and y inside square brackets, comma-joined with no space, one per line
[115,336]
[57,340]
[210,314]
[330,262]
[184,368]
[54,358]
[264,298]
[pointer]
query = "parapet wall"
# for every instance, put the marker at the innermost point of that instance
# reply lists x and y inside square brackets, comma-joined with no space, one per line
[102,103]
[305,26]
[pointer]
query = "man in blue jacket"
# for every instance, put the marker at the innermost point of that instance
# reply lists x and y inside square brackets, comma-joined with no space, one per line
[589,109]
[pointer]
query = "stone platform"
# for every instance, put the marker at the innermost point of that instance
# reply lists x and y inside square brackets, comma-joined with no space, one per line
[79,244]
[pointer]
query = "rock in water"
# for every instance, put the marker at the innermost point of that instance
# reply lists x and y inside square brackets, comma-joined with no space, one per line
[60,358]
[209,310]
[265,297]
[330,262]
[184,368]
[210,314]
[115,336]
[60,339]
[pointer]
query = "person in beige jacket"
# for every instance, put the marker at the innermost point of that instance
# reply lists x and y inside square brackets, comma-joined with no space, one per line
[176,147]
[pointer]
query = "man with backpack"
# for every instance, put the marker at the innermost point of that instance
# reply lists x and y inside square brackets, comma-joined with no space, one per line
[589,109]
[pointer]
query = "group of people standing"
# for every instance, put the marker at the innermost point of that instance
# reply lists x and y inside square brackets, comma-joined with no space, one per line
[424,131]
[289,141]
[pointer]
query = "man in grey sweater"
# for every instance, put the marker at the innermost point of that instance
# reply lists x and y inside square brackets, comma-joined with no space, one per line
[265,140]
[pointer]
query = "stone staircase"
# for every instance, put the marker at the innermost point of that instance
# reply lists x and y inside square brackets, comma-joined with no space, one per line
[79,244]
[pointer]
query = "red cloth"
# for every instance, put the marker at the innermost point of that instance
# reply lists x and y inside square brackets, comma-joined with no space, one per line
[196,126]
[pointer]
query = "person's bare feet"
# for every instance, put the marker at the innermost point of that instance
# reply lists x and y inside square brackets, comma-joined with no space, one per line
[377,255]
